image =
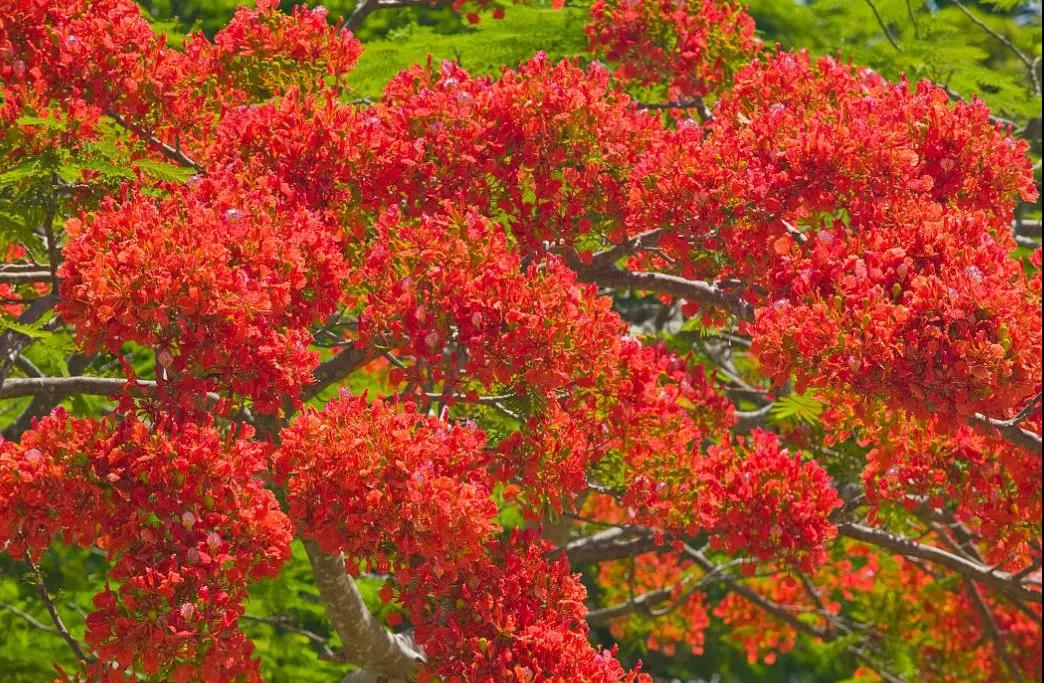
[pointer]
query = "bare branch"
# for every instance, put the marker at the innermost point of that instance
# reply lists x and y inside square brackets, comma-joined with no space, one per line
[24,276]
[52,247]
[284,623]
[29,619]
[12,342]
[1011,430]
[1024,228]
[640,603]
[747,421]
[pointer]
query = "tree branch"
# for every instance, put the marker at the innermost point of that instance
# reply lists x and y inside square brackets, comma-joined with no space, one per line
[367,644]
[284,623]
[43,403]
[337,368]
[1010,429]
[1003,40]
[62,387]
[663,283]
[174,154]
[1024,228]
[1003,582]
[612,544]
[990,626]
[25,276]
[56,619]
[640,603]
[881,23]
[12,342]
[30,619]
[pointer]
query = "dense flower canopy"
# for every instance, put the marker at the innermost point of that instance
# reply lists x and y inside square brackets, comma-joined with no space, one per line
[239,235]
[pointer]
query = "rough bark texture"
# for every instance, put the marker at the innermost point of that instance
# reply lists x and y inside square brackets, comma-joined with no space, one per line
[382,655]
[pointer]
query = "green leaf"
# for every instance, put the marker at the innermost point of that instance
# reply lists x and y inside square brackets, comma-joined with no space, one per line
[27,330]
[26,169]
[797,408]
[167,173]
[28,120]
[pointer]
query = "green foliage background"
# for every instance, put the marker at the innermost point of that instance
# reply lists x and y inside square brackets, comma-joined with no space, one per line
[924,39]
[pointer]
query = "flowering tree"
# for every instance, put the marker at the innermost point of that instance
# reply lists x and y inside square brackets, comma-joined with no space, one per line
[777,367]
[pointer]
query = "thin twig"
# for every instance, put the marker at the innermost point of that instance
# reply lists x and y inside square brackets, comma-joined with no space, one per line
[283,622]
[30,619]
[56,618]
[1027,62]
[171,153]
[881,23]
[52,247]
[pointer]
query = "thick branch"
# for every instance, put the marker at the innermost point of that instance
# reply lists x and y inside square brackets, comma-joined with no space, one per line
[1003,582]
[25,276]
[42,403]
[337,368]
[12,342]
[1027,228]
[611,544]
[663,283]
[61,387]
[366,643]
[1010,429]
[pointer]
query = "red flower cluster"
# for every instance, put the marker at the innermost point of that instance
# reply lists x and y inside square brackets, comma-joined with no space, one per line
[885,210]
[264,52]
[184,519]
[404,492]
[221,279]
[99,53]
[452,281]
[518,617]
[989,484]
[768,502]
[545,150]
[690,46]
